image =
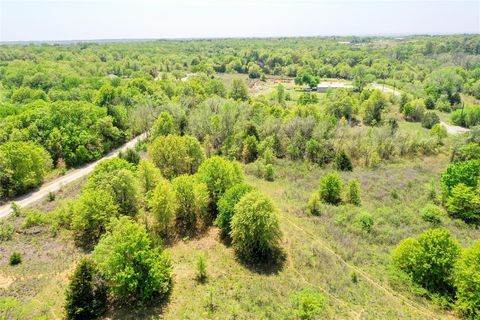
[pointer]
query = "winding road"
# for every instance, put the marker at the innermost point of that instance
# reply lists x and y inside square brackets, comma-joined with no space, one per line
[55,185]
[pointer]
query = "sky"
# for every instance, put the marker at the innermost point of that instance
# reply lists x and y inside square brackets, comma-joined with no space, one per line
[43,20]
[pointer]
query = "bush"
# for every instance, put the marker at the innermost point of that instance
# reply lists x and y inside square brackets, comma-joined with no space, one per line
[353,194]
[269,172]
[134,270]
[163,125]
[255,228]
[15,258]
[314,204]
[467,282]
[309,304]
[438,131]
[343,162]
[250,149]
[463,172]
[432,213]
[331,189]
[33,218]
[23,166]
[226,206]
[6,231]
[219,175]
[464,203]
[86,296]
[163,205]
[201,269]
[130,155]
[429,119]
[365,221]
[429,259]
[148,175]
[193,202]
[91,213]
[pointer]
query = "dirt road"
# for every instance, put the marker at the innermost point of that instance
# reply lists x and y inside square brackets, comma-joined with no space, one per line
[58,183]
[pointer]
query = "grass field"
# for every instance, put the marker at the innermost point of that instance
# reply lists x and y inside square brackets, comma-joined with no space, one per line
[330,254]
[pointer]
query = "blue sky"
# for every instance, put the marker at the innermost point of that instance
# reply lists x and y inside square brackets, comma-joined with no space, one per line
[23,20]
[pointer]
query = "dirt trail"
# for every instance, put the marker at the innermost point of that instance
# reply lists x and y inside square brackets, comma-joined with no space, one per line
[58,183]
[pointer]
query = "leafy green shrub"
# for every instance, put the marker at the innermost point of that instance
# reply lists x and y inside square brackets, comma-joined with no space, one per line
[464,203]
[226,206]
[250,149]
[130,155]
[429,259]
[343,162]
[432,213]
[365,221]
[438,131]
[134,269]
[86,296]
[429,119]
[148,175]
[219,175]
[353,193]
[331,189]
[6,231]
[309,304]
[193,203]
[269,172]
[201,269]
[51,196]
[470,151]
[467,282]
[163,205]
[33,218]
[91,213]
[163,125]
[15,258]
[315,205]
[255,228]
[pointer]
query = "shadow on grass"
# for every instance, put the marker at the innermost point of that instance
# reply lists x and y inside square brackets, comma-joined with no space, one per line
[152,310]
[268,264]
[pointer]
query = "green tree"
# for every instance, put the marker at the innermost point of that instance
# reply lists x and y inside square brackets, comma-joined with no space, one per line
[360,78]
[330,189]
[134,269]
[163,125]
[86,296]
[429,119]
[255,228]
[193,203]
[464,203]
[226,206]
[343,162]
[23,166]
[309,304]
[219,175]
[163,205]
[239,90]
[467,282]
[250,149]
[353,193]
[429,259]
[373,108]
[148,175]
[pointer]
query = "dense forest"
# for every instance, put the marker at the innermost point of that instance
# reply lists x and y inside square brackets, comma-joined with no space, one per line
[253,190]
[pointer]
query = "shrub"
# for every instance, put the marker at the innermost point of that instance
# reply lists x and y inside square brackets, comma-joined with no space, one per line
[91,213]
[365,221]
[429,119]
[309,304]
[201,269]
[130,155]
[255,228]
[331,189]
[51,196]
[86,296]
[250,149]
[148,175]
[219,175]
[466,172]
[438,131]
[314,204]
[269,172]
[464,203]
[429,259]
[163,125]
[467,282]
[226,206]
[15,258]
[134,270]
[470,151]
[353,193]
[6,231]
[193,202]
[343,162]
[33,218]
[432,213]
[163,205]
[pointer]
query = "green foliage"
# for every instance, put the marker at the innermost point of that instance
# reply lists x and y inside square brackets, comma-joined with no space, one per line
[250,151]
[86,296]
[193,203]
[343,162]
[466,172]
[429,119]
[6,231]
[438,131]
[353,193]
[469,117]
[176,155]
[33,218]
[23,166]
[226,206]
[130,155]
[219,175]
[148,176]
[163,125]
[365,221]
[269,172]
[134,269]
[255,229]
[309,304]
[15,258]
[432,213]
[415,110]
[464,203]
[239,90]
[91,213]
[429,259]
[314,204]
[467,282]
[163,205]
[330,189]
[308,79]
[201,269]
[373,108]
[307,98]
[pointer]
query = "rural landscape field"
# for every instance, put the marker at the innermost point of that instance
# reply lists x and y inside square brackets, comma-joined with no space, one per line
[241,178]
